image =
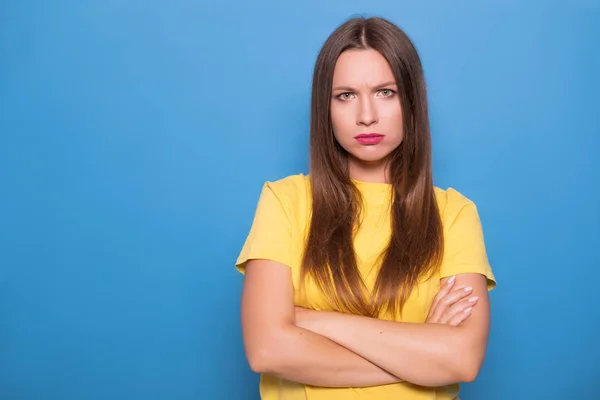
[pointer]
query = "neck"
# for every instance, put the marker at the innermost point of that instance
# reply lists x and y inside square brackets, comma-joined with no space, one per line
[365,171]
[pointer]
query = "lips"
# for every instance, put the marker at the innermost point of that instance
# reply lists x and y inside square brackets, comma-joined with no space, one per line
[369,138]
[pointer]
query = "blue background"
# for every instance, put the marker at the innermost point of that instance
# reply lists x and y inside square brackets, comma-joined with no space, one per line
[135,137]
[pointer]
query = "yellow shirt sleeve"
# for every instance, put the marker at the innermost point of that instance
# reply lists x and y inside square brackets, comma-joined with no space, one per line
[270,233]
[464,247]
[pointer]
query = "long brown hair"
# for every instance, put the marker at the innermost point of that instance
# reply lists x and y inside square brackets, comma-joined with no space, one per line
[416,244]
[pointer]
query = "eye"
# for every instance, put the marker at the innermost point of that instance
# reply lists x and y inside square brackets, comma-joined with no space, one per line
[387,92]
[345,96]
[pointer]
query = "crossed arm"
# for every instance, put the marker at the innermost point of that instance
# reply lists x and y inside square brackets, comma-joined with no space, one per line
[341,350]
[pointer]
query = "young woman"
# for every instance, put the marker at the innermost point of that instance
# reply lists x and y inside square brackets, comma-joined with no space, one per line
[363,280]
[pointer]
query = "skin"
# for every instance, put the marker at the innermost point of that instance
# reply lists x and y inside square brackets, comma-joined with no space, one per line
[333,349]
[365,100]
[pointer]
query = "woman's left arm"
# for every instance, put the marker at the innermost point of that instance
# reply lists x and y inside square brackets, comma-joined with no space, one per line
[425,354]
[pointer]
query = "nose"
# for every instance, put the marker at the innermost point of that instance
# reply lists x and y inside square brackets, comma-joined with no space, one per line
[367,113]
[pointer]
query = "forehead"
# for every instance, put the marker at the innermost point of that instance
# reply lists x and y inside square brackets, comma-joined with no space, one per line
[361,68]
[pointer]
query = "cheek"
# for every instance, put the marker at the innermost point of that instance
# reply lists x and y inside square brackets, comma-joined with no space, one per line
[341,120]
[392,113]
[393,121]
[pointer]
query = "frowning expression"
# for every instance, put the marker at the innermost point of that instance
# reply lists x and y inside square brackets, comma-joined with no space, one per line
[365,109]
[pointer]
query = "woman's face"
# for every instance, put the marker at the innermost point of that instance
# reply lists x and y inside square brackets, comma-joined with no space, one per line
[365,110]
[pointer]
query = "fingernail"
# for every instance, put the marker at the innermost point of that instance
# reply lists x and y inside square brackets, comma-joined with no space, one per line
[473,299]
[468,289]
[451,280]
[468,310]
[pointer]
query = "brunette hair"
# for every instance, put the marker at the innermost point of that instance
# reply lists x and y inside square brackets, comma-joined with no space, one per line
[415,247]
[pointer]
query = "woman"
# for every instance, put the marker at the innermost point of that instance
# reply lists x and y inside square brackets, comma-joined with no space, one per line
[362,279]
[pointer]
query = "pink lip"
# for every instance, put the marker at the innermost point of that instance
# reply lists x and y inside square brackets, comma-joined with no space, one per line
[369,138]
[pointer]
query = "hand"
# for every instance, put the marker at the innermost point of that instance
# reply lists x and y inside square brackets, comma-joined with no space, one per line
[451,306]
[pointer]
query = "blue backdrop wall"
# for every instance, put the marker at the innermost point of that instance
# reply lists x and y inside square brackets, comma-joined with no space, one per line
[135,137]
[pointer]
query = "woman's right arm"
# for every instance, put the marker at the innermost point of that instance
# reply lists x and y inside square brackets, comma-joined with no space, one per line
[275,345]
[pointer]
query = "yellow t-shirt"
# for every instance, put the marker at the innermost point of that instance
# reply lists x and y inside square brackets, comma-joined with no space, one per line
[279,232]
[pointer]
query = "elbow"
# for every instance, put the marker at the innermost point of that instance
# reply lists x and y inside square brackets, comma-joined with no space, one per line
[469,368]
[269,354]
[469,374]
[469,355]
[259,360]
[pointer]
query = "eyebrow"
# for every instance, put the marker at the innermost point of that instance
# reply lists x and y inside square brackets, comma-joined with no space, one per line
[350,89]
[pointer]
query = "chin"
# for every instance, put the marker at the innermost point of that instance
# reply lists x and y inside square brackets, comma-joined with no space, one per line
[373,158]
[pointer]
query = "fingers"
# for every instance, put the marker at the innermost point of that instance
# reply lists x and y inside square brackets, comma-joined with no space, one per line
[444,290]
[445,303]
[459,312]
[455,296]
[441,293]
